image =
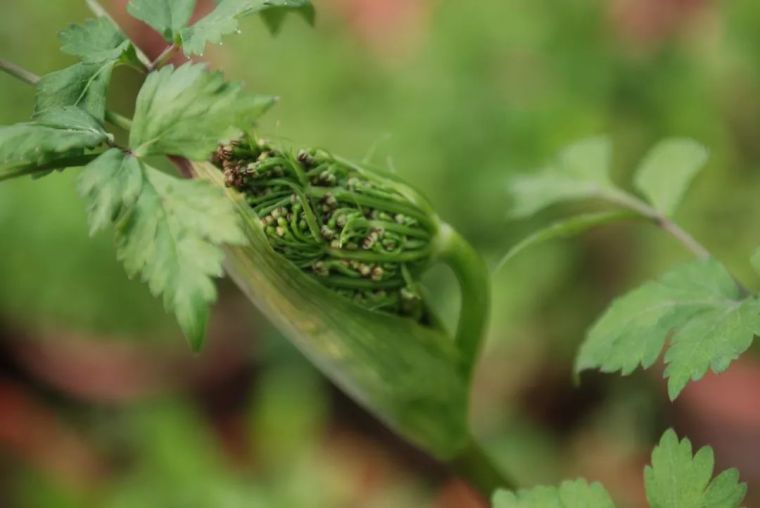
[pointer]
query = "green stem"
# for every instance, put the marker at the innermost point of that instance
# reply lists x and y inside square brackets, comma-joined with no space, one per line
[163,58]
[19,72]
[663,222]
[472,274]
[118,120]
[475,466]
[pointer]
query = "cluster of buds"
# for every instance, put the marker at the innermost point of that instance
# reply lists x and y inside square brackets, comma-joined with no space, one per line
[350,228]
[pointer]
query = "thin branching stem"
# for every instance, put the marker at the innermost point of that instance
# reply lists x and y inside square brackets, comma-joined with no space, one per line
[165,56]
[660,220]
[19,72]
[118,120]
[663,222]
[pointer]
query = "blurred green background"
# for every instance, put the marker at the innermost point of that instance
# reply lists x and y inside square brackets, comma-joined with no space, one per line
[102,405]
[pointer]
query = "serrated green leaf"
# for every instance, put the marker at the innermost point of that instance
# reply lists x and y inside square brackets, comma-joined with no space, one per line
[675,478]
[111,184]
[53,135]
[84,85]
[570,494]
[188,111]
[171,235]
[667,170]
[384,362]
[567,229]
[580,171]
[96,40]
[221,21]
[711,320]
[167,17]
[274,12]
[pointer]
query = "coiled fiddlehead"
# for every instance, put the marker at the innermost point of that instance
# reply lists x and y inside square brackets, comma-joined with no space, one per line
[355,231]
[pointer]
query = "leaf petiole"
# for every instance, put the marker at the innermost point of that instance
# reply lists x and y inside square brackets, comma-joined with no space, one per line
[19,72]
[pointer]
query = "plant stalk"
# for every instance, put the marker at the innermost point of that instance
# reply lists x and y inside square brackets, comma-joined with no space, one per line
[473,277]
[163,58]
[480,471]
[663,222]
[19,72]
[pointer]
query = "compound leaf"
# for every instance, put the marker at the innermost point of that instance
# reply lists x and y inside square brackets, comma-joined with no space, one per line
[712,322]
[676,478]
[54,135]
[667,170]
[170,233]
[580,171]
[188,111]
[167,17]
[570,494]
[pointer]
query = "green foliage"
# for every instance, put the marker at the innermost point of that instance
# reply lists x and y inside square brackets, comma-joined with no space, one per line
[171,19]
[94,41]
[675,479]
[274,11]
[223,20]
[167,230]
[188,111]
[580,171]
[82,85]
[57,134]
[100,46]
[667,170]
[167,17]
[712,321]
[111,184]
[569,494]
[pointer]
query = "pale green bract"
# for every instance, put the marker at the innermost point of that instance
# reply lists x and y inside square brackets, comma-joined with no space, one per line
[55,134]
[675,479]
[678,479]
[188,111]
[168,230]
[570,494]
[580,171]
[667,170]
[712,322]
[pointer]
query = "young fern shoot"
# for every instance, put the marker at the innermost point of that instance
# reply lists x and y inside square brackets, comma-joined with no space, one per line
[332,251]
